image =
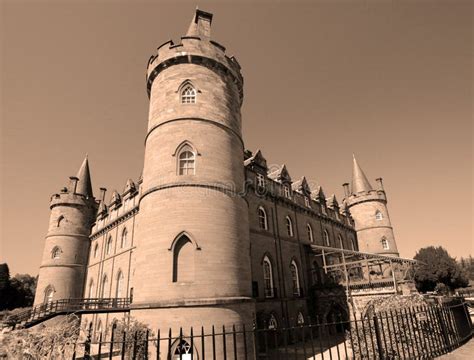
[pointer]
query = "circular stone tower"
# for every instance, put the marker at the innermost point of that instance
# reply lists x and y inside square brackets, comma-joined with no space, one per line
[66,249]
[368,208]
[192,262]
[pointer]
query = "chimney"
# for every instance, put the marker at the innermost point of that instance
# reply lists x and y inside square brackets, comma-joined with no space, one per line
[346,189]
[73,183]
[102,194]
[380,183]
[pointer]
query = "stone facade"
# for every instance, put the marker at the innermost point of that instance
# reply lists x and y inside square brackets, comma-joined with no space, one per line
[209,235]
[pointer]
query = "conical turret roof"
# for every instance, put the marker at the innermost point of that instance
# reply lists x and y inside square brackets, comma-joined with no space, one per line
[84,185]
[359,180]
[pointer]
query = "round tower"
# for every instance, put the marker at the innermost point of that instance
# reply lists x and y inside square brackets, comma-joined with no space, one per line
[66,249]
[368,208]
[192,262]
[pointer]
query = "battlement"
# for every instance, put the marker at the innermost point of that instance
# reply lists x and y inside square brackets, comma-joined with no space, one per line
[371,195]
[70,199]
[195,48]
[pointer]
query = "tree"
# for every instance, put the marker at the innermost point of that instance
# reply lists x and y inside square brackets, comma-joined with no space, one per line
[435,267]
[15,292]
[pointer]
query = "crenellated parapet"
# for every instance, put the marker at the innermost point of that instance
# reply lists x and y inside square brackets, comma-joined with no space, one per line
[371,195]
[197,49]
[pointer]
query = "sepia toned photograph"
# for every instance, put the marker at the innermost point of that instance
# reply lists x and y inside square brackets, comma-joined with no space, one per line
[236,179]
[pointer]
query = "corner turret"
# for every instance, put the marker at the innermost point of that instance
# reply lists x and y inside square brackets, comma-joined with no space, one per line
[66,246]
[368,207]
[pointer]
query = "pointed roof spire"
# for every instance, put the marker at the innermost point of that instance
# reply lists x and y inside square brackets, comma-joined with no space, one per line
[200,25]
[359,180]
[84,185]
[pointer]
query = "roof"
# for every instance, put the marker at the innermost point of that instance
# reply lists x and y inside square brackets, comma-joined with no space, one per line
[359,180]
[84,185]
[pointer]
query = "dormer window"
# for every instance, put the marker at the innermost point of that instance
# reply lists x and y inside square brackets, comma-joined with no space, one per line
[261,181]
[188,95]
[286,191]
[307,202]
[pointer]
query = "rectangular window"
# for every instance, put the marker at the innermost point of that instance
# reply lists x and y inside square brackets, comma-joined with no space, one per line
[286,190]
[307,202]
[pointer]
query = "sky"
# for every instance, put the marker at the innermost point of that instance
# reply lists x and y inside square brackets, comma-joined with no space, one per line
[390,81]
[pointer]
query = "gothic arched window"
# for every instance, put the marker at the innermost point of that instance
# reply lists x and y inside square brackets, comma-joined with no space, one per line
[262,218]
[268,277]
[326,238]
[119,288]
[289,226]
[56,252]
[188,94]
[309,230]
[272,322]
[123,240]
[378,215]
[105,284]
[186,160]
[183,260]
[385,245]
[300,318]
[60,219]
[295,278]
[48,294]
[96,250]
[341,242]
[183,350]
[91,289]
[108,248]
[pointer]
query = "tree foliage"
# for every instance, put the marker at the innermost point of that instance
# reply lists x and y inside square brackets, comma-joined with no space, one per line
[16,292]
[438,267]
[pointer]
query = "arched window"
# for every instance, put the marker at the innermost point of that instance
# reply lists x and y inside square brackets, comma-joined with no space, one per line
[91,289]
[378,215]
[262,218]
[183,260]
[56,252]
[309,230]
[268,277]
[307,201]
[96,250]
[123,240]
[98,329]
[108,248]
[119,288]
[186,160]
[341,242]
[385,245]
[105,285]
[286,191]
[295,278]
[289,226]
[315,273]
[272,322]
[326,238]
[60,219]
[300,319]
[48,294]
[188,94]
[353,244]
[183,350]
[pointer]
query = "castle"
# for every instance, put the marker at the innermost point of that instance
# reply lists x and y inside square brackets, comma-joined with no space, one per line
[209,235]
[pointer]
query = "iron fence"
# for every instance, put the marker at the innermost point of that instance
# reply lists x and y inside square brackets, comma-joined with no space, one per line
[420,332]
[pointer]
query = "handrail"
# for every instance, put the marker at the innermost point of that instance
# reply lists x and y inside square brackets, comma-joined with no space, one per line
[51,308]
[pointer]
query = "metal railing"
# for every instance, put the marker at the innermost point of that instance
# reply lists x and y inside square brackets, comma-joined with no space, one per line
[419,332]
[47,310]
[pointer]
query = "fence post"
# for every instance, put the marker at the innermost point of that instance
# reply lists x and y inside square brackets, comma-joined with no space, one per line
[444,331]
[87,344]
[377,336]
[135,337]
[111,348]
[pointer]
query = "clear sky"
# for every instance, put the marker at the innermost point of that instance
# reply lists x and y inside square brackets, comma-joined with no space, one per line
[390,81]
